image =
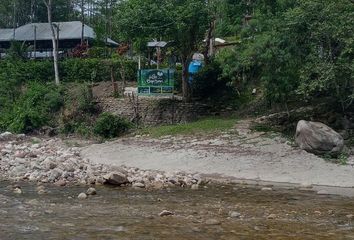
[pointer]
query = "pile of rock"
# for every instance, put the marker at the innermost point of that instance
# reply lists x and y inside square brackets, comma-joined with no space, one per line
[51,161]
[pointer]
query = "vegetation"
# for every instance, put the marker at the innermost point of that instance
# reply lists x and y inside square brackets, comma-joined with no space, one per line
[71,70]
[110,126]
[294,52]
[33,109]
[203,126]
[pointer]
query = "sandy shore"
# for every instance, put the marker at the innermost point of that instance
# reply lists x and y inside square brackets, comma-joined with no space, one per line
[238,153]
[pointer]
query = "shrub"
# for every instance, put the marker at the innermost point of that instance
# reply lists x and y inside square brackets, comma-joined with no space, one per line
[208,83]
[110,126]
[79,110]
[71,70]
[33,109]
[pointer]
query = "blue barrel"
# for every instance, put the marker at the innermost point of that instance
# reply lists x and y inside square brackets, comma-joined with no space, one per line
[194,67]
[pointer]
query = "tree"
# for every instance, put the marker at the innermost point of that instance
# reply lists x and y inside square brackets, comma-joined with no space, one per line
[295,50]
[183,22]
[48,4]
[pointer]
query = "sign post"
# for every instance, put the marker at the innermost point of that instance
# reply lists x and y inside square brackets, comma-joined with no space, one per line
[153,82]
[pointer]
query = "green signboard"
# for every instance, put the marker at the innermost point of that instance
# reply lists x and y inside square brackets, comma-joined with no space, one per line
[156,81]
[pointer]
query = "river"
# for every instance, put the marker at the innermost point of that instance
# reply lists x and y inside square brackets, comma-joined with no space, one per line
[127,213]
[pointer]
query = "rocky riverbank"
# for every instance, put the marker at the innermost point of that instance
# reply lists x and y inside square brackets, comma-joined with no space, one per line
[49,160]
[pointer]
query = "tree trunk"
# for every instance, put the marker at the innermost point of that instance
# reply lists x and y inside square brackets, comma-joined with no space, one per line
[82,22]
[185,81]
[55,46]
[208,43]
[114,84]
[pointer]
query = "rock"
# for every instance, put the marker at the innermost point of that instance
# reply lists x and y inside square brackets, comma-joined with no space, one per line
[17,190]
[42,191]
[306,185]
[20,154]
[138,185]
[165,213]
[49,164]
[195,187]
[271,216]
[116,178]
[18,171]
[322,192]
[82,196]
[234,214]
[100,180]
[40,187]
[60,183]
[350,216]
[317,138]
[212,222]
[55,174]
[266,189]
[91,191]
[6,136]
[156,185]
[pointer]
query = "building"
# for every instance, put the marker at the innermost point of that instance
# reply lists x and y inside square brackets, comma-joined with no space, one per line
[38,37]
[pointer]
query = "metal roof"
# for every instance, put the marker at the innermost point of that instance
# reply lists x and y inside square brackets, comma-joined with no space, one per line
[157,44]
[67,30]
[6,34]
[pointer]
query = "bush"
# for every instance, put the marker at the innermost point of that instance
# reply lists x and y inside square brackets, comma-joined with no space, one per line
[110,126]
[79,112]
[34,109]
[209,84]
[71,70]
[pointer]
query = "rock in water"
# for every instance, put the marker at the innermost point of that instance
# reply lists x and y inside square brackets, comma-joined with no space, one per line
[18,190]
[82,196]
[91,191]
[234,214]
[116,178]
[165,213]
[317,138]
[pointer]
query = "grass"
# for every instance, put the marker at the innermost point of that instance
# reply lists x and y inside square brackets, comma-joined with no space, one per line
[258,127]
[203,126]
[341,159]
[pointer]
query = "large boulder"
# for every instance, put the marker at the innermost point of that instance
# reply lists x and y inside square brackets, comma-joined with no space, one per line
[116,178]
[318,138]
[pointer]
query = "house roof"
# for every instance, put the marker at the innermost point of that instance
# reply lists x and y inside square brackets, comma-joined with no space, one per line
[157,44]
[6,34]
[67,30]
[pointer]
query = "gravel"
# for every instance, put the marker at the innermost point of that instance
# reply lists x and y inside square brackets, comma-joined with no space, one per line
[49,160]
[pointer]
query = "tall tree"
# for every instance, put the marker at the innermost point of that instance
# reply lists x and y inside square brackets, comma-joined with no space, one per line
[48,4]
[183,22]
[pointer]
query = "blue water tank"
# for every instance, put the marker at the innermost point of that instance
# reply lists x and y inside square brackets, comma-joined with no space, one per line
[194,67]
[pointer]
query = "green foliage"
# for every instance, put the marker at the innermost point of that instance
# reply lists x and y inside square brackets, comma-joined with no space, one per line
[71,70]
[110,126]
[295,50]
[79,111]
[33,109]
[203,126]
[208,84]
[17,51]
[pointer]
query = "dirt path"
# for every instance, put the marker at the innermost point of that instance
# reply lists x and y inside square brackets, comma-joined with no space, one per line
[239,153]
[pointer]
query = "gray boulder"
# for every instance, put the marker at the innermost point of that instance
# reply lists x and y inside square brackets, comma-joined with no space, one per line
[116,178]
[318,138]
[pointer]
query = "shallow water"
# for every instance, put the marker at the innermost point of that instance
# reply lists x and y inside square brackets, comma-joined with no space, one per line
[125,213]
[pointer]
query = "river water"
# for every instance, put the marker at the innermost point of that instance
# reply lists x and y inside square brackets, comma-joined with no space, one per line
[126,213]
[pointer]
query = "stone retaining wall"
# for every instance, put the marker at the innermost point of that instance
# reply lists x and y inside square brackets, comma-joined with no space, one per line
[156,111]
